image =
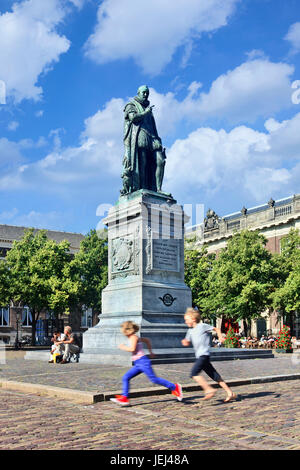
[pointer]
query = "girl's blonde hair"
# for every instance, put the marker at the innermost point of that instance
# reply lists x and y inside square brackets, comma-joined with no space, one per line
[129,327]
[191,312]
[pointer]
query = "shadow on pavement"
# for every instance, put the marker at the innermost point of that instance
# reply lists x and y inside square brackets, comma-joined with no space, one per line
[246,396]
[196,400]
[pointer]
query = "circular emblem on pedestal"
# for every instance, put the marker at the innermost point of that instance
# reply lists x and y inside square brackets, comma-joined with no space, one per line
[167,299]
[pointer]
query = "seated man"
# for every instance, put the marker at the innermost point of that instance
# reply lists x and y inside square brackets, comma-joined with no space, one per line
[68,346]
[57,336]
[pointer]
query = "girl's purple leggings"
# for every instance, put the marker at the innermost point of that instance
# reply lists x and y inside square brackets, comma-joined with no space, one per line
[143,365]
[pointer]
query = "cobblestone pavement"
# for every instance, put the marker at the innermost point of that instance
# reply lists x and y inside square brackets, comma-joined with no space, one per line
[265,417]
[100,378]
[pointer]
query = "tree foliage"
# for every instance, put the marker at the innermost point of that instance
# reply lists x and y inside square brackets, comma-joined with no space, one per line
[241,278]
[286,298]
[37,275]
[198,265]
[90,269]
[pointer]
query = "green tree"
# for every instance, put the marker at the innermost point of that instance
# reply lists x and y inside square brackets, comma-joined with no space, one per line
[90,270]
[197,266]
[4,283]
[286,297]
[38,275]
[290,248]
[241,279]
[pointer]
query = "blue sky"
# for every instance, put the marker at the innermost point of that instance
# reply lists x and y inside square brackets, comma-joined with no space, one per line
[220,74]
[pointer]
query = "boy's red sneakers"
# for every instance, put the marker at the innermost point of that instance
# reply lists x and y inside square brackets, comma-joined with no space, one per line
[178,392]
[121,400]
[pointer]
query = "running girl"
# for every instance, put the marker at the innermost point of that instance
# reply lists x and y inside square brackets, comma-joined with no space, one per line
[141,364]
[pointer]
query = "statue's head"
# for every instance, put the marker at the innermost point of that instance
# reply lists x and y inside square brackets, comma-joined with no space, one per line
[143,92]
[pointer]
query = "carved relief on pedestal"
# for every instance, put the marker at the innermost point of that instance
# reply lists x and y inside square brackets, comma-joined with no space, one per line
[125,256]
[122,254]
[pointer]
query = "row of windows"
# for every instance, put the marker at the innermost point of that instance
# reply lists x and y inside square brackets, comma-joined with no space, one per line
[26,319]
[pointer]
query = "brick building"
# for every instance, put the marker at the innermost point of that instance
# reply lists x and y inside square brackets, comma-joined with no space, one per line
[14,320]
[273,220]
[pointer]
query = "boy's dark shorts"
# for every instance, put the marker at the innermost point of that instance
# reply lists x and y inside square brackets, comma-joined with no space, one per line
[203,363]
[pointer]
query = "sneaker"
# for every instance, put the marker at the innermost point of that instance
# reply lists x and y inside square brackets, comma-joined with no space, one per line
[121,400]
[178,392]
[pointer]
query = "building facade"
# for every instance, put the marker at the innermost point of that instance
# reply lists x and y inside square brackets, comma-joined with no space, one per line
[274,220]
[15,323]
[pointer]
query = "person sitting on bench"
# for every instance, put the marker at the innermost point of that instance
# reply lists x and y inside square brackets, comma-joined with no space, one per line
[68,346]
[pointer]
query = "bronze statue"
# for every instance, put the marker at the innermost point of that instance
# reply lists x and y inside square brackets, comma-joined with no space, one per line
[144,158]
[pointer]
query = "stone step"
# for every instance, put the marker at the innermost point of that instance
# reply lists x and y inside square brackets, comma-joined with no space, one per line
[217,354]
[170,356]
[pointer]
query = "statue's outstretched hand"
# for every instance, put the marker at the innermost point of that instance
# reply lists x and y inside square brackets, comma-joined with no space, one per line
[149,109]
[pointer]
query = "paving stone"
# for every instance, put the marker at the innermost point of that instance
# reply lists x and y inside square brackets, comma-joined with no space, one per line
[266,416]
[93,377]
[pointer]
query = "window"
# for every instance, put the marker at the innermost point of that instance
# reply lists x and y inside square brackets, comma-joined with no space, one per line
[87,318]
[4,316]
[26,317]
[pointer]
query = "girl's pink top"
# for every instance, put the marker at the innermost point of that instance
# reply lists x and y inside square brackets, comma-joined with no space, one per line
[139,352]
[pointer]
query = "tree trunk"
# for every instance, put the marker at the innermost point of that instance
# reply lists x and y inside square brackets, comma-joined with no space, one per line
[33,326]
[246,329]
[33,329]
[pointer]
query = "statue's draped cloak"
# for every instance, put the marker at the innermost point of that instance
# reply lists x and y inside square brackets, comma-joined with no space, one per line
[131,131]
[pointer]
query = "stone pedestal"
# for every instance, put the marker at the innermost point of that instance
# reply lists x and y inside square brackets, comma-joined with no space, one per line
[146,277]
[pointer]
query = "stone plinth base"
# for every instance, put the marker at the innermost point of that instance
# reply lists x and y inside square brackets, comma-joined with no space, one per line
[146,277]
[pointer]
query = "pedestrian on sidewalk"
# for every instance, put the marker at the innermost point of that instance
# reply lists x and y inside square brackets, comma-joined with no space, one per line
[199,334]
[141,364]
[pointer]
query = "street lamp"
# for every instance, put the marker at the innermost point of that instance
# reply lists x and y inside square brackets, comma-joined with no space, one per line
[18,311]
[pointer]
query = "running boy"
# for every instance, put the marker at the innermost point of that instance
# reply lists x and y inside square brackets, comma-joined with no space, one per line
[199,335]
[141,364]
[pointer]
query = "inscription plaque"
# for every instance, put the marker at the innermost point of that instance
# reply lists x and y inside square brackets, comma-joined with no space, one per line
[165,255]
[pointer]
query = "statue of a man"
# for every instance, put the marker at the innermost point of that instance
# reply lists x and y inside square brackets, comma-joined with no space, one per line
[144,158]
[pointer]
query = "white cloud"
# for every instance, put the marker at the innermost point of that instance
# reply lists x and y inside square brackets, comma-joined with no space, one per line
[97,157]
[151,32]
[255,54]
[264,181]
[257,88]
[293,36]
[13,126]
[29,45]
[10,154]
[99,153]
[78,3]
[242,160]
[7,216]
[207,161]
